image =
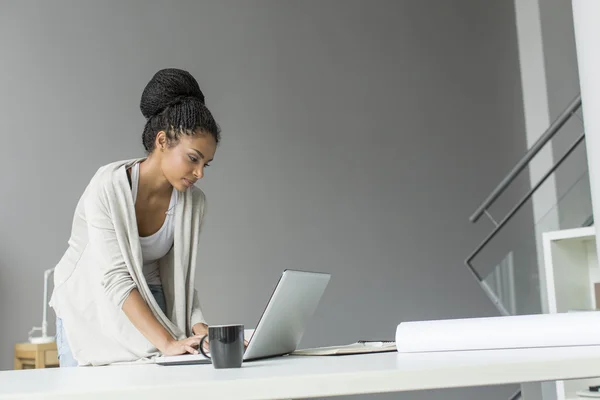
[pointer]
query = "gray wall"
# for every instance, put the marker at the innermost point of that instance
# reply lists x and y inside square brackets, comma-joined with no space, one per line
[357,138]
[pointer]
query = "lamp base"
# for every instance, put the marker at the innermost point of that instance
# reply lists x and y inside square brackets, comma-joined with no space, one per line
[41,339]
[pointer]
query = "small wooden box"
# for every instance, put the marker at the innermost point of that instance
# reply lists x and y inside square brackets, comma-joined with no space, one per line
[31,355]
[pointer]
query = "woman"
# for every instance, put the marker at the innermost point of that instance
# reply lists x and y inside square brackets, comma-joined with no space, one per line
[124,289]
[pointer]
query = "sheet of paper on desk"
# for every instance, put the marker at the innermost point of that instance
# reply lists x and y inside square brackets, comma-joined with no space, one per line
[354,348]
[509,332]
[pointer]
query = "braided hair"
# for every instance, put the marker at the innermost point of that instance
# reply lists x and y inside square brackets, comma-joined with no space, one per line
[173,102]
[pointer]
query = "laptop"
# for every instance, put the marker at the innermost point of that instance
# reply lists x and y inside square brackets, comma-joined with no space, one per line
[283,322]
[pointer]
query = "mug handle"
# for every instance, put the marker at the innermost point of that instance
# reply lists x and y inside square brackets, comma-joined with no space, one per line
[201,347]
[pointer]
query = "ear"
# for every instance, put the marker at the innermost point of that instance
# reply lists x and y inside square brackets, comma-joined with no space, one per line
[160,142]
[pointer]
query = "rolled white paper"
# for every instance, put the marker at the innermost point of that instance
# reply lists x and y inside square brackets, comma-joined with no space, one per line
[510,332]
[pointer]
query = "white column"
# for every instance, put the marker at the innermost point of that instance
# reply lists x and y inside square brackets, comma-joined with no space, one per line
[536,109]
[586,19]
[537,119]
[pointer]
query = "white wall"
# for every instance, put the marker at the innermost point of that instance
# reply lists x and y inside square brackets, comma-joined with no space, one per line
[357,139]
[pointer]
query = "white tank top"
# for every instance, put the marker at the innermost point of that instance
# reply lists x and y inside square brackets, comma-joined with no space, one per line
[158,244]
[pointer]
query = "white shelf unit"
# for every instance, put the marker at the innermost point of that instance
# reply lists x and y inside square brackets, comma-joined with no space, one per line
[567,284]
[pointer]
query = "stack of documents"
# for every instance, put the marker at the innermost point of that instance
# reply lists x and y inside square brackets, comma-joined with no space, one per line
[360,347]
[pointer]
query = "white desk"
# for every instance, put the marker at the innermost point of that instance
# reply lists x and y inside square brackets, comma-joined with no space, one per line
[303,377]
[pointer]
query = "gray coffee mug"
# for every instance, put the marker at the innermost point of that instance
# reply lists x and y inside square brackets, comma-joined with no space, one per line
[226,343]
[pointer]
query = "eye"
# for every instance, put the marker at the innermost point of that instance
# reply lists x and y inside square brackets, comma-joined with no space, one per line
[206,165]
[193,159]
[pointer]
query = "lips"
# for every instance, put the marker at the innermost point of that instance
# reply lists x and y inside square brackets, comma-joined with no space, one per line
[188,182]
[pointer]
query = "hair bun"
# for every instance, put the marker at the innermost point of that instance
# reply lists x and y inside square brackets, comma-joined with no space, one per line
[167,88]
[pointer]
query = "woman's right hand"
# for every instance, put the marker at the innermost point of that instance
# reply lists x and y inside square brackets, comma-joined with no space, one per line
[177,347]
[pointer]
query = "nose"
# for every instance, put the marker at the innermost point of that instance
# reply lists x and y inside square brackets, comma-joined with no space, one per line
[199,172]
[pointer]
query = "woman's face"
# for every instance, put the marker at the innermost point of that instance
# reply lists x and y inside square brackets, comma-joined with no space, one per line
[184,163]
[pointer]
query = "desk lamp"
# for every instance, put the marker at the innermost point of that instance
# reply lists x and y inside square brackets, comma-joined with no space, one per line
[44,338]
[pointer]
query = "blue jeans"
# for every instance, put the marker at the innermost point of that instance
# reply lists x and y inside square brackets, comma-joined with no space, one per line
[65,357]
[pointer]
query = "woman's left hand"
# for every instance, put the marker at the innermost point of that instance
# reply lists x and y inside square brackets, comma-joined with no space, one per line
[200,330]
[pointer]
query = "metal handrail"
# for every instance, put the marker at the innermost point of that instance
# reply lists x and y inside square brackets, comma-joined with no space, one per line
[483,208]
[532,152]
[490,293]
[520,204]
[516,396]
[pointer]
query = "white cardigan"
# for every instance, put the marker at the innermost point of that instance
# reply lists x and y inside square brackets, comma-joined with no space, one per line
[103,263]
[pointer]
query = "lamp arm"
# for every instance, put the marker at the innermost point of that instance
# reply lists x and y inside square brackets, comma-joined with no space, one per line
[47,274]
